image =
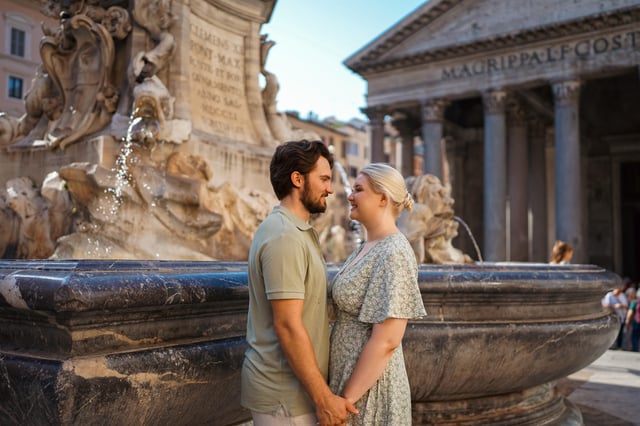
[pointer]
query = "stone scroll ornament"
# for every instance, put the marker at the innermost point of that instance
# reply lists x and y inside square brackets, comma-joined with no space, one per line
[74,92]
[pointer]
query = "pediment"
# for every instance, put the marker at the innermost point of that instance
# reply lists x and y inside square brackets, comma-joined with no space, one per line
[446,28]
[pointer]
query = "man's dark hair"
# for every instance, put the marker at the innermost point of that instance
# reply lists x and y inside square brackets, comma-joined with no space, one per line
[300,156]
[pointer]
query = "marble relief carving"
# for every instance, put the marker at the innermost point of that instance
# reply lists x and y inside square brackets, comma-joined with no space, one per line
[74,92]
[105,72]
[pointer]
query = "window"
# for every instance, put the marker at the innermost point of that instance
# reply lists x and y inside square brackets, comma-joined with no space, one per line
[352,148]
[18,38]
[15,87]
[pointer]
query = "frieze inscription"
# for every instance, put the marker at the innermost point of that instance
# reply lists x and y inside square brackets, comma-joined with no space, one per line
[582,49]
[218,96]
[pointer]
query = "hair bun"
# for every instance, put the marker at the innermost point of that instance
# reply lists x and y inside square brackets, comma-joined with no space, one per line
[408,201]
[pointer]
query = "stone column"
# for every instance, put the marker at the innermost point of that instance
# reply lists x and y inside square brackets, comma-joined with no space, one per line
[406,127]
[376,121]
[495,176]
[434,150]
[568,171]
[518,172]
[537,189]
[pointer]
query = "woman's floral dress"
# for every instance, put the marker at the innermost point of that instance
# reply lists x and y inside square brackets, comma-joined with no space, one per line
[382,284]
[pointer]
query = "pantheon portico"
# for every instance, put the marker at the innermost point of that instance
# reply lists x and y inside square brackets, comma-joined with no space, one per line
[529,110]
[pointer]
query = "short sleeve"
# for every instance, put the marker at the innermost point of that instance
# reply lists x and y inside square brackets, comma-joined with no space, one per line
[393,290]
[284,268]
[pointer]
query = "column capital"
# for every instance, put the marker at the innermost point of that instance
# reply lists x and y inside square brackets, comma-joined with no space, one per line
[494,101]
[375,114]
[516,111]
[566,92]
[405,124]
[433,109]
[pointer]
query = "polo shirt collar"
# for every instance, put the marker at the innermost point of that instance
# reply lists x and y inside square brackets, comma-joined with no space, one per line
[299,223]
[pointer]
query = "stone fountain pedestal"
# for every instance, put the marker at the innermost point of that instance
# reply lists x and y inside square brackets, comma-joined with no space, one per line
[498,336]
[161,342]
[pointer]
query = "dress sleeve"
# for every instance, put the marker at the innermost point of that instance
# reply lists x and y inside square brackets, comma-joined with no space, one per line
[393,290]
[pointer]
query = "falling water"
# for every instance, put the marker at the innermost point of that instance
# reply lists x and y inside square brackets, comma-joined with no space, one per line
[109,207]
[473,240]
[344,179]
[122,175]
[354,226]
[142,129]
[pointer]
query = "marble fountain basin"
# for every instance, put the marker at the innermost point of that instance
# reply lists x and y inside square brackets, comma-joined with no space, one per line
[498,336]
[87,342]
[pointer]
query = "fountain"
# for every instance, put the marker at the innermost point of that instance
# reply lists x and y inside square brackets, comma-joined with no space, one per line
[146,139]
[430,226]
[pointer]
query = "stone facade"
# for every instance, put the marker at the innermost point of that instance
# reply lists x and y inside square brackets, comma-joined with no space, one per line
[527,113]
[25,18]
[207,58]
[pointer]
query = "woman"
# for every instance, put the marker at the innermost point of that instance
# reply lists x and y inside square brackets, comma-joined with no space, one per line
[375,293]
[561,253]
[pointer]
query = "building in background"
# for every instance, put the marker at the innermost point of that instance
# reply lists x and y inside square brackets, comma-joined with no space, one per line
[20,34]
[529,109]
[350,140]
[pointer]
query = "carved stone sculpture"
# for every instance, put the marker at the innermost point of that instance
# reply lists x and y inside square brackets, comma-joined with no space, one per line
[161,214]
[75,91]
[9,228]
[430,226]
[32,219]
[278,123]
[34,240]
[104,81]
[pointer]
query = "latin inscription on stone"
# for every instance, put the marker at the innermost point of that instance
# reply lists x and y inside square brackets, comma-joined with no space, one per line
[218,96]
[582,49]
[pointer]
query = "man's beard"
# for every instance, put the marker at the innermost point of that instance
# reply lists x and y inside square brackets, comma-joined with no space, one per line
[311,205]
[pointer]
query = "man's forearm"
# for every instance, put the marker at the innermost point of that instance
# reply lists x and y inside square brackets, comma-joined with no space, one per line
[298,350]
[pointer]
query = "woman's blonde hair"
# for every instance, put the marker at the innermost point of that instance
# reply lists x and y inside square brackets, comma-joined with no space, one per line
[386,180]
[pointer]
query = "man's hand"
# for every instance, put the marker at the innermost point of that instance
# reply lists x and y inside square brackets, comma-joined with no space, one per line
[296,345]
[334,410]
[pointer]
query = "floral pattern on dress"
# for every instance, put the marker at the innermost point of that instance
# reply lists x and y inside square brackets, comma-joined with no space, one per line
[382,284]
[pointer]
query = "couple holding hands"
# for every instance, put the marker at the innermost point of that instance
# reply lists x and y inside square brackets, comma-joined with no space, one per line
[296,370]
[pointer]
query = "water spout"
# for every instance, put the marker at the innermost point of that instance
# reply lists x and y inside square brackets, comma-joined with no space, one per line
[473,240]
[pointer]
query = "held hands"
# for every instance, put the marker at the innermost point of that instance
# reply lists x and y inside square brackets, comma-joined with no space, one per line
[335,411]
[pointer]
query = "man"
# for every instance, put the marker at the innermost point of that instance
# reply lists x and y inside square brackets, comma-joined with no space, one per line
[284,375]
[617,302]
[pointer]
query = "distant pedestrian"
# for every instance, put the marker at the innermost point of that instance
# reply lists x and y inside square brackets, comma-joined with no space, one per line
[616,302]
[632,322]
[561,253]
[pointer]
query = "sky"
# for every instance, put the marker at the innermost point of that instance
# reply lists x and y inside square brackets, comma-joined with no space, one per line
[313,39]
